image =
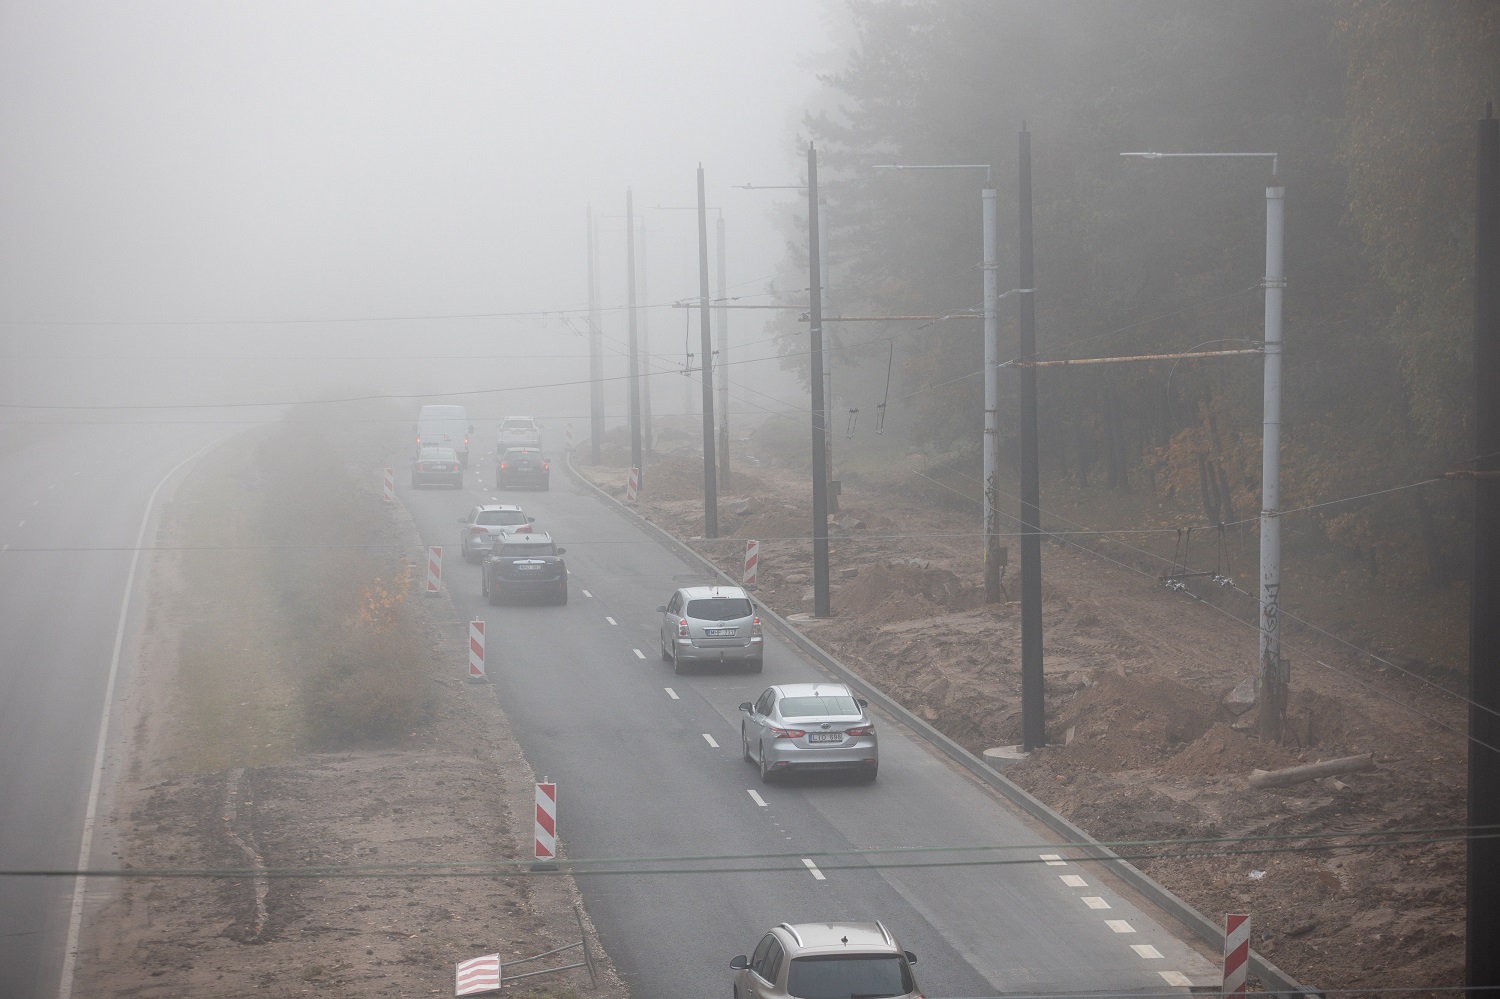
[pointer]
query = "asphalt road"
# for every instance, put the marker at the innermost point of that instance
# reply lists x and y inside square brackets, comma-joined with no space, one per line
[648,765]
[73,502]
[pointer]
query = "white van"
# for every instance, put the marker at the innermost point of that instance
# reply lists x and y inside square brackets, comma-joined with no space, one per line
[444,426]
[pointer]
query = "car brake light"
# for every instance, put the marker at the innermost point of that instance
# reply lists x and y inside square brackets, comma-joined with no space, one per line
[502,464]
[478,530]
[787,733]
[682,628]
[755,627]
[861,730]
[546,466]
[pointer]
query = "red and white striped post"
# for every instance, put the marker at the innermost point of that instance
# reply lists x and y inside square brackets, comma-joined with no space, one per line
[476,975]
[476,652]
[390,485]
[1236,954]
[546,823]
[434,570]
[568,437]
[632,484]
[752,562]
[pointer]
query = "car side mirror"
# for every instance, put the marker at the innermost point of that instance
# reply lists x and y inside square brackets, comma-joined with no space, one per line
[740,963]
[911,958]
[746,707]
[531,520]
[862,702]
[562,551]
[661,608]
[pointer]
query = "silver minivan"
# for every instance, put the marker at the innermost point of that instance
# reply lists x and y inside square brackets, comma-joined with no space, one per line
[710,624]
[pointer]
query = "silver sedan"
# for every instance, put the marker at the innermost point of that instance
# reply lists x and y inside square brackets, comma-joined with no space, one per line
[809,726]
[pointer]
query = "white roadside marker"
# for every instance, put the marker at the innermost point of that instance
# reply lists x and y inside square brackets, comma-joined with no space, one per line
[609,619]
[672,693]
[1176,978]
[638,653]
[710,740]
[754,796]
[1073,881]
[1146,951]
[1053,860]
[817,874]
[588,594]
[1095,902]
[1119,926]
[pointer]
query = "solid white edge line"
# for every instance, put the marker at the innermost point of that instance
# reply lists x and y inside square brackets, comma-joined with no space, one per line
[1146,952]
[90,815]
[812,867]
[672,693]
[638,653]
[710,740]
[755,796]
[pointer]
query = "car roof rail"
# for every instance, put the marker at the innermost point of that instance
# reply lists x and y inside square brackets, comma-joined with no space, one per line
[886,933]
[795,935]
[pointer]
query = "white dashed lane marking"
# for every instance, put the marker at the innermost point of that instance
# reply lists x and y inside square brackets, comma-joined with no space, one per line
[1095,902]
[817,874]
[755,796]
[710,740]
[1073,881]
[1119,926]
[609,619]
[638,653]
[1053,860]
[1146,951]
[672,693]
[588,594]
[1176,979]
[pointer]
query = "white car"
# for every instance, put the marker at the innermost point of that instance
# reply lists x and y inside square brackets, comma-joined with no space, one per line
[483,524]
[518,431]
[809,726]
[820,960]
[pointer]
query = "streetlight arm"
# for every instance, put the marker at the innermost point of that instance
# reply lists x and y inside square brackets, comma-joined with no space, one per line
[1150,155]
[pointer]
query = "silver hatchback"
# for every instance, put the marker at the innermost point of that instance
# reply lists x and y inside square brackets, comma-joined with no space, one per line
[809,726]
[826,961]
[710,624]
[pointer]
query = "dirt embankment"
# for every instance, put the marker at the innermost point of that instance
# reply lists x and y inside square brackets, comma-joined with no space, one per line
[365,871]
[1143,748]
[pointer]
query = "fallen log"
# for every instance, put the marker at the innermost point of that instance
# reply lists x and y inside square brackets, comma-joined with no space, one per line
[1312,771]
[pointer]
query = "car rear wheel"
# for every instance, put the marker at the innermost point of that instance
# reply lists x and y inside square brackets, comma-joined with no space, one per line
[756,665]
[867,775]
[562,592]
[745,745]
[765,768]
[666,656]
[678,666]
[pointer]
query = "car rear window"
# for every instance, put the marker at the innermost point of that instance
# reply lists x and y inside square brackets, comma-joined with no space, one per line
[718,608]
[517,424]
[841,976]
[809,707]
[501,518]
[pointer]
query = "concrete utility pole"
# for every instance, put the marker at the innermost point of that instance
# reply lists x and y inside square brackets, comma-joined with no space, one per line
[819,413]
[1482,957]
[596,352]
[635,361]
[1033,681]
[723,360]
[1274,673]
[710,465]
[647,437]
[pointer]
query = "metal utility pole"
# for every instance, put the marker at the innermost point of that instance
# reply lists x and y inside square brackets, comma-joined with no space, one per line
[1273,672]
[647,437]
[819,415]
[833,483]
[710,465]
[596,352]
[723,360]
[992,590]
[1482,957]
[634,381]
[1033,682]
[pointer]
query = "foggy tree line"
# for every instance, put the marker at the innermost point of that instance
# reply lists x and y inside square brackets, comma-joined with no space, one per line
[1369,105]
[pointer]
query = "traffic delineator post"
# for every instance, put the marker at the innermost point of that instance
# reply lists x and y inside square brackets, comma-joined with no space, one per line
[546,827]
[1236,953]
[568,437]
[752,562]
[477,672]
[434,570]
[632,485]
[390,485]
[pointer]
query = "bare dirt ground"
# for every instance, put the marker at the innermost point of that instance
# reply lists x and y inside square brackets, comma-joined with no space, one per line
[1142,749]
[366,832]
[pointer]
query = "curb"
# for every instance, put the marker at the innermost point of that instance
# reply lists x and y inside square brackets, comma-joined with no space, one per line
[1273,979]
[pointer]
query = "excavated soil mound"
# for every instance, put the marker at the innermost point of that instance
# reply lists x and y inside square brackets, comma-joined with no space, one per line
[903,591]
[1221,751]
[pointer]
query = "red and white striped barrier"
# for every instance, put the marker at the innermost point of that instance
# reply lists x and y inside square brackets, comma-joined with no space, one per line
[390,485]
[1236,954]
[632,484]
[568,439]
[752,560]
[546,821]
[434,570]
[477,974]
[476,651]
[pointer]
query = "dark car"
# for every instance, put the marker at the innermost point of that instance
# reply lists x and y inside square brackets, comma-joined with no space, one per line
[525,564]
[523,466]
[437,464]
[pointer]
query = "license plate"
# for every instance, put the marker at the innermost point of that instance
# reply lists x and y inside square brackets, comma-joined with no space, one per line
[527,568]
[826,737]
[719,632]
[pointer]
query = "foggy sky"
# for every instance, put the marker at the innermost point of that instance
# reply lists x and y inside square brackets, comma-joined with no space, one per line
[190,161]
